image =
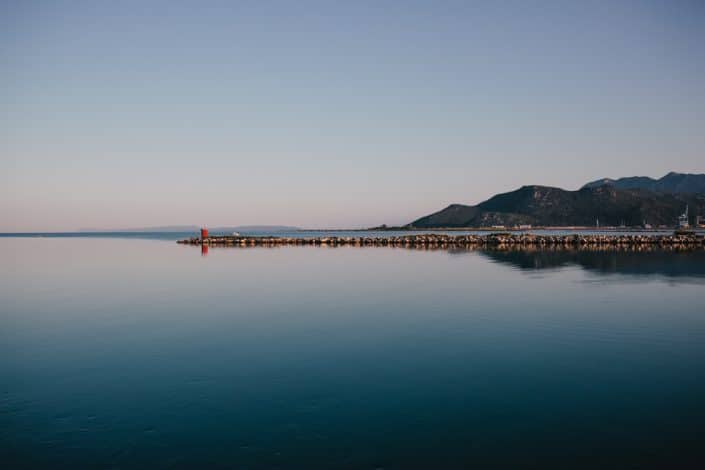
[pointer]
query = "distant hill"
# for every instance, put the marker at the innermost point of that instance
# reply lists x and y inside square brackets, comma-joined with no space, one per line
[255,228]
[195,228]
[677,183]
[547,206]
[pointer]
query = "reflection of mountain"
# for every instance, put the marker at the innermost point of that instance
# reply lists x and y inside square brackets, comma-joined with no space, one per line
[657,262]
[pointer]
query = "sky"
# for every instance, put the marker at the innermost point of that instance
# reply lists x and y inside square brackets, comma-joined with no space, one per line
[333,114]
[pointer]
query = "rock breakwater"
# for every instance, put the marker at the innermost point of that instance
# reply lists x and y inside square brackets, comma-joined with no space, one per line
[450,241]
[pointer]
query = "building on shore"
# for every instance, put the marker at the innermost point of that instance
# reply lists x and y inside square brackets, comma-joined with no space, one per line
[683,219]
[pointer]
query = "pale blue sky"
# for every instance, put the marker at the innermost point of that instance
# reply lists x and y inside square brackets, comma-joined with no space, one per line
[334,114]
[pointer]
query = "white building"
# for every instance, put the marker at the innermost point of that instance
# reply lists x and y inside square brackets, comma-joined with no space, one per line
[683,219]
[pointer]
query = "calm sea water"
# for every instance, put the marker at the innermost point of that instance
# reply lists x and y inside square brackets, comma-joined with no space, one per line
[136,351]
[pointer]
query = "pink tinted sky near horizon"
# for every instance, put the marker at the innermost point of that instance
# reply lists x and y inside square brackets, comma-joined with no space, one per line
[315,114]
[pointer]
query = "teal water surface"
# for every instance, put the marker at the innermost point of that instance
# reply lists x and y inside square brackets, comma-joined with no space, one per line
[138,352]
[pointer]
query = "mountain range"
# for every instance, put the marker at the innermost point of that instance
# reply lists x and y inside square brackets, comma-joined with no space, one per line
[670,183]
[195,228]
[630,201]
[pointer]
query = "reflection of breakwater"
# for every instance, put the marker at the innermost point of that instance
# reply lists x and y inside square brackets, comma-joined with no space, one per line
[671,258]
[468,241]
[671,261]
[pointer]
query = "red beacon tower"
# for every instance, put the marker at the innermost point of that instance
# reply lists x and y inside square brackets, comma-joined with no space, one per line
[204,233]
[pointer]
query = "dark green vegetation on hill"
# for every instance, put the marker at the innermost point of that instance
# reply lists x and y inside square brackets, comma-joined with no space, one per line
[547,206]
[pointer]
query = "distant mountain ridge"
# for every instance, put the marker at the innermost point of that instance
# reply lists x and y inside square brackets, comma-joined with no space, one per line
[671,183]
[606,202]
[196,228]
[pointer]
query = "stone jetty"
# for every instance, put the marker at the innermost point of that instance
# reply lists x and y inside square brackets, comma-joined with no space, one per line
[460,241]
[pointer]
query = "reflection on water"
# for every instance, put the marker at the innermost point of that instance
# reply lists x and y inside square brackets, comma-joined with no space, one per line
[126,352]
[684,263]
[645,260]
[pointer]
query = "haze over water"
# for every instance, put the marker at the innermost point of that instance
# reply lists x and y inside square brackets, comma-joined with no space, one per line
[141,352]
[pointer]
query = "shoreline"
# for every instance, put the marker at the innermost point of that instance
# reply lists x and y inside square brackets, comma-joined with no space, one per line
[540,228]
